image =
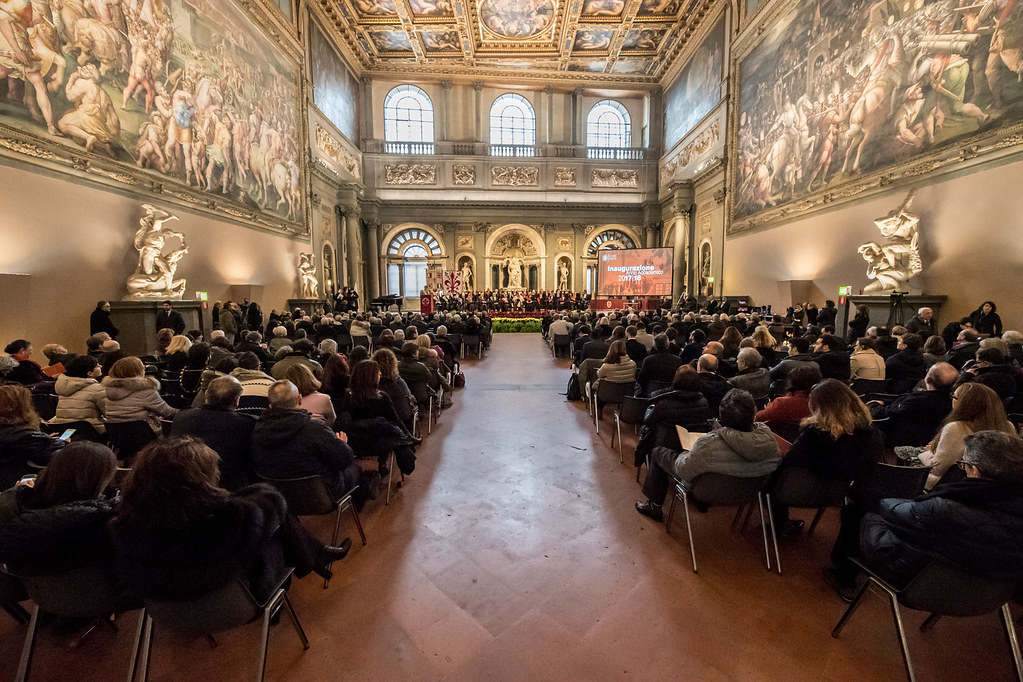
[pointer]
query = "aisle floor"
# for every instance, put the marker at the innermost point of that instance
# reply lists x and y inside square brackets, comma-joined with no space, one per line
[514,553]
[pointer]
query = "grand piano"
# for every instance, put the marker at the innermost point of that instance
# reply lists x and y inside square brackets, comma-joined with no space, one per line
[382,303]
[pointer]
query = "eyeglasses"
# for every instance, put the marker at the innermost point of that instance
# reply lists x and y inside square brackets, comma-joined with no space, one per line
[962,464]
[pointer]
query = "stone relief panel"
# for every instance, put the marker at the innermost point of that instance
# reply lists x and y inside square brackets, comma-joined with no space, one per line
[564,243]
[515,176]
[514,244]
[336,152]
[410,174]
[463,174]
[465,242]
[564,177]
[606,177]
[692,151]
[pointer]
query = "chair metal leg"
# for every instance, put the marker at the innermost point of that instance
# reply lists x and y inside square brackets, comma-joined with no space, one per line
[358,521]
[849,611]
[813,524]
[903,643]
[689,528]
[1010,633]
[390,472]
[618,429]
[26,650]
[296,622]
[671,510]
[264,640]
[146,649]
[133,663]
[929,622]
[774,531]
[763,532]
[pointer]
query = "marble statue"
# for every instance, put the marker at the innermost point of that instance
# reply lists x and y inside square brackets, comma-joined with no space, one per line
[154,276]
[891,264]
[307,275]
[563,273]
[466,276]
[514,267]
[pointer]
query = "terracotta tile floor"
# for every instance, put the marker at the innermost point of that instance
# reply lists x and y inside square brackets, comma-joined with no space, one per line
[514,554]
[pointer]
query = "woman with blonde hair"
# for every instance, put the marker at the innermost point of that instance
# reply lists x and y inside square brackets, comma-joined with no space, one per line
[177,354]
[23,447]
[836,442]
[618,367]
[315,403]
[765,345]
[133,396]
[975,407]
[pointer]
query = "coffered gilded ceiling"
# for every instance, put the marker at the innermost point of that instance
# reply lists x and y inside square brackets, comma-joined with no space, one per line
[604,40]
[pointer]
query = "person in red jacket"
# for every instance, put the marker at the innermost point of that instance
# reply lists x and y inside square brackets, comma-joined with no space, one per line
[784,414]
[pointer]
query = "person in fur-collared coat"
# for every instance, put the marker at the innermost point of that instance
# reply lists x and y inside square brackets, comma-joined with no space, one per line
[132,396]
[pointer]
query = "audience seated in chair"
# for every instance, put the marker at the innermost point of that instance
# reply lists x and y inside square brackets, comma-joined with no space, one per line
[906,368]
[179,535]
[713,386]
[617,368]
[914,418]
[60,524]
[300,354]
[317,404]
[134,396]
[836,442]
[27,371]
[784,414]
[975,407]
[737,447]
[865,363]
[683,405]
[372,424]
[395,387]
[23,447]
[225,431]
[752,377]
[832,358]
[659,365]
[80,395]
[975,523]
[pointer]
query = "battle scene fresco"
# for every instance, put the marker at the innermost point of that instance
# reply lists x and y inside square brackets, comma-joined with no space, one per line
[334,88]
[189,90]
[696,89]
[840,88]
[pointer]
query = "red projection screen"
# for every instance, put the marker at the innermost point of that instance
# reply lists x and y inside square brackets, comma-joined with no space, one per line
[634,272]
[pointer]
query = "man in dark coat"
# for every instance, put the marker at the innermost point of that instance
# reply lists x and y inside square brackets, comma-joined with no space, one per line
[168,318]
[923,323]
[659,365]
[228,433]
[99,320]
[965,349]
[975,523]
[914,418]
[829,356]
[907,367]
[713,386]
[288,443]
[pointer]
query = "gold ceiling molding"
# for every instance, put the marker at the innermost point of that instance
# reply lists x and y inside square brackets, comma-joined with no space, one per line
[700,23]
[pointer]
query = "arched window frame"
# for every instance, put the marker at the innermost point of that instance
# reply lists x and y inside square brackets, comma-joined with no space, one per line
[512,126]
[408,121]
[610,239]
[608,125]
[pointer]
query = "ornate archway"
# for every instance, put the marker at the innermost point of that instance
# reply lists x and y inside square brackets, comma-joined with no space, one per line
[515,258]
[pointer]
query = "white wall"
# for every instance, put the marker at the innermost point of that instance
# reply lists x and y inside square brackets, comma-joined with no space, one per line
[971,235]
[76,244]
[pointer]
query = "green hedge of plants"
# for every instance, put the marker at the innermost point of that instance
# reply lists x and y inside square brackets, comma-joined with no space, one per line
[516,325]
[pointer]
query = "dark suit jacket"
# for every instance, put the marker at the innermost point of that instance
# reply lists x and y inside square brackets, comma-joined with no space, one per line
[228,433]
[171,320]
[914,418]
[658,366]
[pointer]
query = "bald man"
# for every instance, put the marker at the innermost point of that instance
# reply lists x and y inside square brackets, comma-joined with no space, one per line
[288,443]
[913,418]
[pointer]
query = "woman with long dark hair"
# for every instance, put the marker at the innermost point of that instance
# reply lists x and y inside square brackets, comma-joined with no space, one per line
[372,425]
[22,445]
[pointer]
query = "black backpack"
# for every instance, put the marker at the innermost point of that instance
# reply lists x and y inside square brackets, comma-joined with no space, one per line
[574,391]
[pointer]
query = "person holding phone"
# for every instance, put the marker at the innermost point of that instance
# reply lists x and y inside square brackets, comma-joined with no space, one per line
[22,445]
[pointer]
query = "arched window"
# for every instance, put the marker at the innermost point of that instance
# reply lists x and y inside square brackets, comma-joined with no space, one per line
[408,121]
[408,253]
[512,126]
[608,125]
[610,239]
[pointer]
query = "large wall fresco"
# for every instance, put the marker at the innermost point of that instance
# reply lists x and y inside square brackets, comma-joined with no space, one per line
[696,89]
[334,88]
[183,90]
[838,89]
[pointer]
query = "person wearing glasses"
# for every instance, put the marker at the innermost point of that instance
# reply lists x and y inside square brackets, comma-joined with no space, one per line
[975,407]
[975,522]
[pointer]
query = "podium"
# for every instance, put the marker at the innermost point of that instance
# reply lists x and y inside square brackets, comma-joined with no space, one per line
[598,304]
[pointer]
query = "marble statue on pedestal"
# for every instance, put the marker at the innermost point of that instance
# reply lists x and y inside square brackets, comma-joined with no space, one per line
[891,264]
[563,273]
[514,268]
[154,276]
[466,276]
[307,275]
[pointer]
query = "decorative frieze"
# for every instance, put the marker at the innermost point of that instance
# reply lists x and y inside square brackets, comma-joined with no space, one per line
[463,174]
[336,152]
[410,174]
[515,176]
[564,177]
[613,177]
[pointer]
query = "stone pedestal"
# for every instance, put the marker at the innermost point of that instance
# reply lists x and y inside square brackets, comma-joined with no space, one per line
[306,304]
[137,322]
[884,311]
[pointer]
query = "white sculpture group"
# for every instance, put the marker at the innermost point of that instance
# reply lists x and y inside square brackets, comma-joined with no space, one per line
[890,265]
[154,276]
[307,275]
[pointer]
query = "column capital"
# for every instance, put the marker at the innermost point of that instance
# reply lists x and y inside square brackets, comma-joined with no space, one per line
[445,84]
